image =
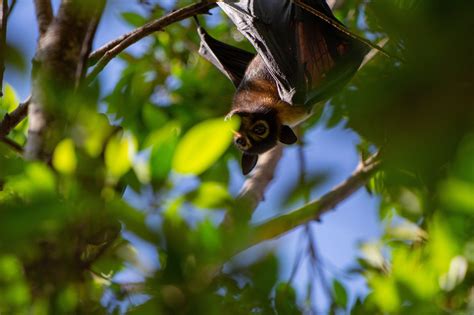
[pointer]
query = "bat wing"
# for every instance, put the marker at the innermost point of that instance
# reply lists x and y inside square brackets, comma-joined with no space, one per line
[327,58]
[231,61]
[308,58]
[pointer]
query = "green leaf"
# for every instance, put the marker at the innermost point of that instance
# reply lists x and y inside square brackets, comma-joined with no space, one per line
[285,300]
[202,145]
[211,195]
[9,100]
[340,294]
[64,157]
[133,18]
[163,142]
[119,154]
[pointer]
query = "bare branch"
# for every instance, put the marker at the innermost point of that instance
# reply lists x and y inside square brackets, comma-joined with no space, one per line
[12,6]
[315,209]
[87,44]
[104,54]
[11,120]
[3,40]
[373,52]
[253,189]
[44,15]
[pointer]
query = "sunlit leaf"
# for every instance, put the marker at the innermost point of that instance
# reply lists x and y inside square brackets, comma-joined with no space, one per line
[119,154]
[211,195]
[455,275]
[458,195]
[202,145]
[408,231]
[64,157]
[9,100]
[97,129]
[163,142]
[385,294]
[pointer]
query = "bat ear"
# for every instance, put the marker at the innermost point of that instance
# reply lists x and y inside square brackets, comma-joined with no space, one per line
[287,136]
[248,162]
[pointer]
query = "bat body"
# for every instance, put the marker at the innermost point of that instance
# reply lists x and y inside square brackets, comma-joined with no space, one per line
[265,118]
[300,61]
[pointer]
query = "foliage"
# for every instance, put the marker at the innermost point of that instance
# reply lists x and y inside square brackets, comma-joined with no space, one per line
[69,229]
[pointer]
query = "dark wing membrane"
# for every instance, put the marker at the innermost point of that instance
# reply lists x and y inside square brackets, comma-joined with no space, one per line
[231,61]
[308,58]
[327,58]
[267,25]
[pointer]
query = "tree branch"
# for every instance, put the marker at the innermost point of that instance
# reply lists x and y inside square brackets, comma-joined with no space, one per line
[55,77]
[315,209]
[44,15]
[87,44]
[104,54]
[12,6]
[11,120]
[253,189]
[12,144]
[3,40]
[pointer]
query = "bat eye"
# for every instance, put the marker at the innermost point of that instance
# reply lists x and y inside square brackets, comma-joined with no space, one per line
[260,129]
[242,143]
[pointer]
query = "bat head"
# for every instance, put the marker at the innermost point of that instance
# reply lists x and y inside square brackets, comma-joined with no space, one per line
[258,133]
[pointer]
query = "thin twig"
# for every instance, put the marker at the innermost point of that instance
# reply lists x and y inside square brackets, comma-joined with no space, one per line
[11,120]
[3,40]
[12,144]
[341,28]
[44,15]
[87,44]
[113,48]
[10,9]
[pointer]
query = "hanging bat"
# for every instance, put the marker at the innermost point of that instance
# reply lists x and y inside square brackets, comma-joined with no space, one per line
[301,60]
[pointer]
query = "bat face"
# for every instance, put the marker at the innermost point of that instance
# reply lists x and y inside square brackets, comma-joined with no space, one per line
[258,133]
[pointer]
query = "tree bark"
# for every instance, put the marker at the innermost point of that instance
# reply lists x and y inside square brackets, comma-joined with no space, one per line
[56,65]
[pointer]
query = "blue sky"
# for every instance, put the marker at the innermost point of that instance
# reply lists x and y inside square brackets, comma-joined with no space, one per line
[327,150]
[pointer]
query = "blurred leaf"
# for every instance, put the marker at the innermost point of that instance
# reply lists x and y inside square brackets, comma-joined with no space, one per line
[153,116]
[458,195]
[119,154]
[340,294]
[372,254]
[163,142]
[133,18]
[95,131]
[407,231]
[385,294]
[285,300]
[211,195]
[202,145]
[455,275]
[67,300]
[209,238]
[64,157]
[9,101]
[15,57]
